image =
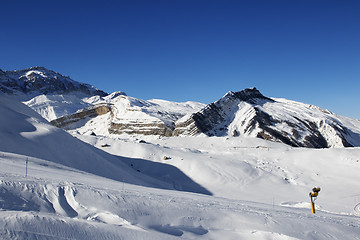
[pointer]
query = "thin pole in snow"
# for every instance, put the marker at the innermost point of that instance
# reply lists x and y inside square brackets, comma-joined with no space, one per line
[26,168]
[273,202]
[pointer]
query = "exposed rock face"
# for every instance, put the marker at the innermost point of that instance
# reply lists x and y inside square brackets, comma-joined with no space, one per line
[265,122]
[187,127]
[91,112]
[140,128]
[215,116]
[249,113]
[39,80]
[144,127]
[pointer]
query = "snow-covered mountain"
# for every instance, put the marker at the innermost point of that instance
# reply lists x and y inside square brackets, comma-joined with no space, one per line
[36,81]
[249,113]
[245,113]
[82,108]
[121,114]
[47,92]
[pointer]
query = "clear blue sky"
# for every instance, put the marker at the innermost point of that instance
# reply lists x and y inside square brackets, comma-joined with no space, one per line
[180,50]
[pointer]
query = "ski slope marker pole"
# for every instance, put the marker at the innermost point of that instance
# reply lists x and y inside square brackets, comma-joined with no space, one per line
[26,168]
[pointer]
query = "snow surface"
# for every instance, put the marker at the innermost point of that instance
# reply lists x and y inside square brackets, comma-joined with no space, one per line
[36,72]
[52,107]
[205,188]
[322,117]
[128,109]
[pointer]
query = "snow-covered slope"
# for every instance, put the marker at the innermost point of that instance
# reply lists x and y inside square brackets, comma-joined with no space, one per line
[249,113]
[252,169]
[23,131]
[52,107]
[53,202]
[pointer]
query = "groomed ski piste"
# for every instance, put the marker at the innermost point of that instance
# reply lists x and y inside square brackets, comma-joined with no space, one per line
[119,187]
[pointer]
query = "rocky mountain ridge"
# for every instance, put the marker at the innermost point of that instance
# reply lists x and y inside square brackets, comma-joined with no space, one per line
[83,108]
[244,113]
[250,113]
[39,80]
[121,114]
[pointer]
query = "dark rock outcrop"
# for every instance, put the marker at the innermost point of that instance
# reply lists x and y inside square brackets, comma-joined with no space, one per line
[40,80]
[214,117]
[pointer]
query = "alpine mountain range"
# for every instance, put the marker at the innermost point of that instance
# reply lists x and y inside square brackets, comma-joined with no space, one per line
[85,109]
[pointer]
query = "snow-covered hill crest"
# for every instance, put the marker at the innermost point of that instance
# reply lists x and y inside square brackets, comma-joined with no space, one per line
[52,107]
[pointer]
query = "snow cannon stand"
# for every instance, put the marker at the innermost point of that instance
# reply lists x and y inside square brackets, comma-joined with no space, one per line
[313,196]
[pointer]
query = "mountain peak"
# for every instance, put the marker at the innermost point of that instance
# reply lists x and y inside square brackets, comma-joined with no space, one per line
[116,94]
[248,95]
[36,68]
[40,68]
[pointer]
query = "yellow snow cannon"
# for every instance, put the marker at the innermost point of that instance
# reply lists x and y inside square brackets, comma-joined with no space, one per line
[313,196]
